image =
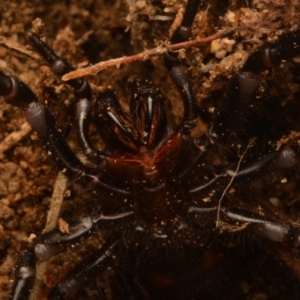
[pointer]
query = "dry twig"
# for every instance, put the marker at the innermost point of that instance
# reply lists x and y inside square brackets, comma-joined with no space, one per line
[7,43]
[94,69]
[52,219]
[218,221]
[14,137]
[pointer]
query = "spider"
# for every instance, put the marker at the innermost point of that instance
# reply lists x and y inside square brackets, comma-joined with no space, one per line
[166,199]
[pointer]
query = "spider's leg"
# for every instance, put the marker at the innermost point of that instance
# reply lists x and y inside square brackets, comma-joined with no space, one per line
[53,243]
[259,164]
[20,95]
[238,105]
[241,222]
[82,92]
[287,47]
[257,224]
[176,70]
[46,246]
[264,227]
[89,269]
[255,166]
[83,273]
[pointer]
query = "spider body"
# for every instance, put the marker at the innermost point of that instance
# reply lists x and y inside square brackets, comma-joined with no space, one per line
[169,205]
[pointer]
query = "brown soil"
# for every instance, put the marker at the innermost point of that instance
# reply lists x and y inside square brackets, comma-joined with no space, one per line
[96,30]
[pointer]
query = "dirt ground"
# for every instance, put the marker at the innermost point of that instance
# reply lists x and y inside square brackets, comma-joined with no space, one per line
[97,30]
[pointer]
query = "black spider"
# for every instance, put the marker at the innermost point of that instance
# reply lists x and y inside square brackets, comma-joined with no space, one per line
[168,204]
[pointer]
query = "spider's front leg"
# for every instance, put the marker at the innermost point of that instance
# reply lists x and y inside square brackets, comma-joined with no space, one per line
[20,95]
[176,70]
[82,93]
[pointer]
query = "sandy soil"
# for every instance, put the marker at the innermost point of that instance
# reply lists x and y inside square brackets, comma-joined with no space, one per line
[96,30]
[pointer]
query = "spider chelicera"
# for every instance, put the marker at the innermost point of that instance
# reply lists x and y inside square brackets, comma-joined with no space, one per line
[162,195]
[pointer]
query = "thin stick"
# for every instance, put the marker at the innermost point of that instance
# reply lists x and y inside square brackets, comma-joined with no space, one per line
[93,70]
[52,218]
[17,47]
[14,137]
[231,181]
